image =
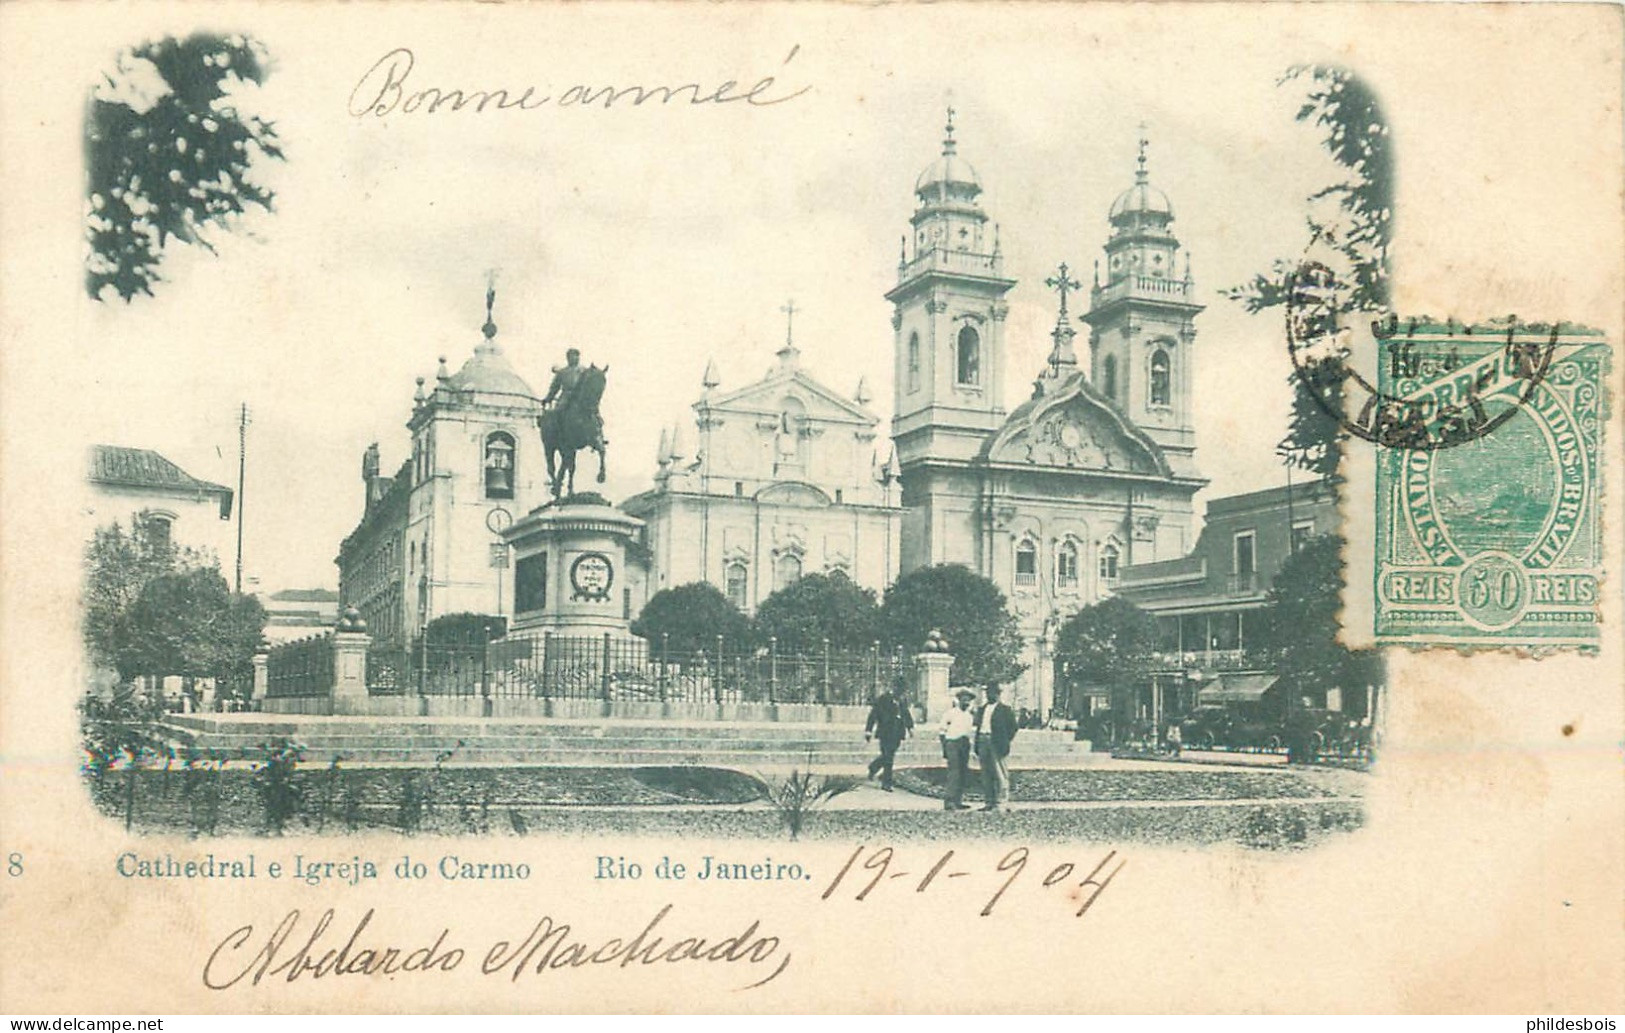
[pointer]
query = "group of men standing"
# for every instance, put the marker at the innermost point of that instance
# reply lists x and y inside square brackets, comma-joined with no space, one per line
[987,732]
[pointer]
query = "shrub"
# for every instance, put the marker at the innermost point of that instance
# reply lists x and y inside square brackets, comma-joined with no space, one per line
[798,795]
[969,610]
[691,617]
[280,794]
[820,607]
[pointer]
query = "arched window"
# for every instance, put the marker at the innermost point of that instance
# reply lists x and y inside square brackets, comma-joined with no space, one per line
[1066,565]
[1108,562]
[737,578]
[160,528]
[1160,387]
[1108,377]
[913,362]
[1026,562]
[499,470]
[970,356]
[786,571]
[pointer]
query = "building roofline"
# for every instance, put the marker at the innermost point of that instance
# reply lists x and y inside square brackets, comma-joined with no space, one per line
[1266,497]
[118,465]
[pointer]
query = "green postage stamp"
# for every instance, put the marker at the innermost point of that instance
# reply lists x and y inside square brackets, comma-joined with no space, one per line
[1492,535]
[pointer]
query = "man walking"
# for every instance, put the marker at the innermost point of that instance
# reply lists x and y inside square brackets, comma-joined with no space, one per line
[890,722]
[955,732]
[995,727]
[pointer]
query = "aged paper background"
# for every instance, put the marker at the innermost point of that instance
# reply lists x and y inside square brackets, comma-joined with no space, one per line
[1488,874]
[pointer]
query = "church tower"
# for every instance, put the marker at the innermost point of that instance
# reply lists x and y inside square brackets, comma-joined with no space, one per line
[948,316]
[1142,334]
[948,313]
[477,465]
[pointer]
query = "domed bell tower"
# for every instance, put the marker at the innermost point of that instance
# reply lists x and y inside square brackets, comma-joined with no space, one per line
[948,317]
[1141,319]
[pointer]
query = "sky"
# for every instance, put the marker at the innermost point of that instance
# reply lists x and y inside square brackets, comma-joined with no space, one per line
[657,239]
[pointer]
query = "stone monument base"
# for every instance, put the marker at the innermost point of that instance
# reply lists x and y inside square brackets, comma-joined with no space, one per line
[570,569]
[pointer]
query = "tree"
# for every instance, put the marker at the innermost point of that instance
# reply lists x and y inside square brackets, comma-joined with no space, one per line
[168,154]
[464,629]
[692,616]
[188,622]
[805,613]
[152,607]
[118,565]
[1350,225]
[1302,626]
[970,612]
[1108,643]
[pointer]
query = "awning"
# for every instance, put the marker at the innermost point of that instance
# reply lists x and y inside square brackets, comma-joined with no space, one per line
[1236,688]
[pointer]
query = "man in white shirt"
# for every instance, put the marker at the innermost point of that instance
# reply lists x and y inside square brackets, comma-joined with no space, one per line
[955,732]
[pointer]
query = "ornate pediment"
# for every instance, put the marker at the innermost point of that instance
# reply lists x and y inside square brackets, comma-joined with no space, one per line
[1071,427]
[792,493]
[765,400]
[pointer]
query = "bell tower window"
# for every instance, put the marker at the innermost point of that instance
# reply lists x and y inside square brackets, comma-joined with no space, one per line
[1160,380]
[499,465]
[1108,377]
[969,365]
[913,362]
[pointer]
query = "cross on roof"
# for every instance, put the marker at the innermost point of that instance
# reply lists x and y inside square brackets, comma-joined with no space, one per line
[789,310]
[1140,173]
[1063,283]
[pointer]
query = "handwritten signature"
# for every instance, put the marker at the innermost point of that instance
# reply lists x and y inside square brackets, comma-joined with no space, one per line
[387,89]
[549,946]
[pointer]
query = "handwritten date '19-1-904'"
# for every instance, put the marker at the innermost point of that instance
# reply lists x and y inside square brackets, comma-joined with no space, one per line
[387,89]
[878,866]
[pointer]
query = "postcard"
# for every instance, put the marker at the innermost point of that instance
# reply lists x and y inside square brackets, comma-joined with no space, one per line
[965,508]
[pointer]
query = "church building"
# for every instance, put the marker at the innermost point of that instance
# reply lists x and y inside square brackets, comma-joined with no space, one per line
[429,539]
[1096,469]
[783,480]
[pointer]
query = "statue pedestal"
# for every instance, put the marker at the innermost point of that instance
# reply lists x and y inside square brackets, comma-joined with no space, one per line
[569,572]
[932,690]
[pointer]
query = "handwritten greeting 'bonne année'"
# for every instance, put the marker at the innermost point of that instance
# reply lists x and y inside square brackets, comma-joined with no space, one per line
[387,89]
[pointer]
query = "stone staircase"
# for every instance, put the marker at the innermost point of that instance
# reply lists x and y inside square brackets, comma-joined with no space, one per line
[751,746]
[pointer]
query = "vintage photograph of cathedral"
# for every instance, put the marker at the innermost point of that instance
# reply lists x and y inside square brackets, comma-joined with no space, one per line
[986,565]
[942,507]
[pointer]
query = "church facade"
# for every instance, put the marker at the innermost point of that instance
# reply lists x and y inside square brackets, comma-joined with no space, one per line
[1052,500]
[429,539]
[1096,470]
[783,481]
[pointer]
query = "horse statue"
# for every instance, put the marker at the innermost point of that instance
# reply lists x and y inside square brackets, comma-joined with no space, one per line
[571,425]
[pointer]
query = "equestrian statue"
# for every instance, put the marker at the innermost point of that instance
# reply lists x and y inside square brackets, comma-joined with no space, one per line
[571,421]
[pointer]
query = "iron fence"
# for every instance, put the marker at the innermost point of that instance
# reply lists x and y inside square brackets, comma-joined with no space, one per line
[611,667]
[389,672]
[300,669]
